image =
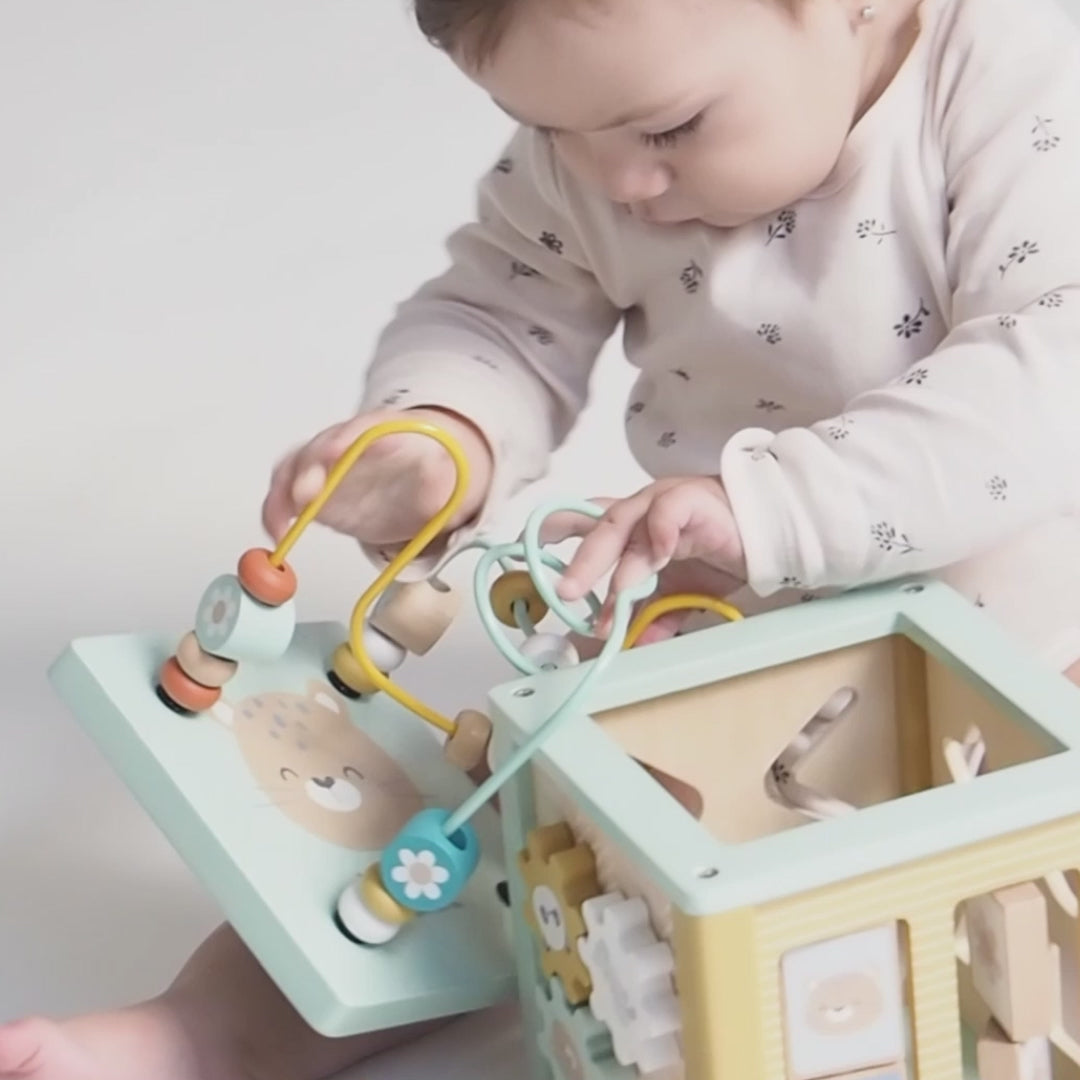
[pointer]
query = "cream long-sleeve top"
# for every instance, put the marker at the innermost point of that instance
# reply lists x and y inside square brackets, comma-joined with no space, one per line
[885,375]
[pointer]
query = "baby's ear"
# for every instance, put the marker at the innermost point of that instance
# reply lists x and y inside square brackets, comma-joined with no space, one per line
[223,712]
[323,694]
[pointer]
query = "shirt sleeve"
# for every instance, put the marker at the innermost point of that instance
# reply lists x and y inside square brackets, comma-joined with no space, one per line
[509,334]
[981,439]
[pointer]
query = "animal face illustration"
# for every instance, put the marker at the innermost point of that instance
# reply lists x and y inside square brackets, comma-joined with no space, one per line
[324,772]
[843,1003]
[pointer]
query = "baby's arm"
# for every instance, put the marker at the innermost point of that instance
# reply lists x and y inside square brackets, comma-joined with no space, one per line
[981,439]
[508,336]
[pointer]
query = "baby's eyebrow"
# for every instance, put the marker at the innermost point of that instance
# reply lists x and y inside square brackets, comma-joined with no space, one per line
[630,117]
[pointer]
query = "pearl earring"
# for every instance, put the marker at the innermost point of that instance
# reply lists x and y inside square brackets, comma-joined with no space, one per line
[868,13]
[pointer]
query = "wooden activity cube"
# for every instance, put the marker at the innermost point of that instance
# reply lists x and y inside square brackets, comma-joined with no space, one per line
[671,919]
[670,914]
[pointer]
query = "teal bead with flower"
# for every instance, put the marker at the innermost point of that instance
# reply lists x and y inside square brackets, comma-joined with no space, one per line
[425,870]
[233,625]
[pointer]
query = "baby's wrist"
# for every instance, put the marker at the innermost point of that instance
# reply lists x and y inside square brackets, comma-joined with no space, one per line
[474,445]
[472,440]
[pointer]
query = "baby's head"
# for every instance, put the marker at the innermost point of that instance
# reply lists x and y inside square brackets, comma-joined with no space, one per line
[718,110]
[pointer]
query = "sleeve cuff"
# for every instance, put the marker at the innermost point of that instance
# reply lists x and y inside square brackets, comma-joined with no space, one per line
[776,545]
[519,439]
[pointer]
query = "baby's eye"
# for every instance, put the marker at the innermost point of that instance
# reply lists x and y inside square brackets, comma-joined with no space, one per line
[667,139]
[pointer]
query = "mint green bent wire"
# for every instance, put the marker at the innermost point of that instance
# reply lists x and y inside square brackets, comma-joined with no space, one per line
[569,707]
[534,552]
[495,629]
[534,556]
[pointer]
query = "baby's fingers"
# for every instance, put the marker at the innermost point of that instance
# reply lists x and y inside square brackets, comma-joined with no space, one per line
[278,508]
[566,524]
[637,563]
[597,554]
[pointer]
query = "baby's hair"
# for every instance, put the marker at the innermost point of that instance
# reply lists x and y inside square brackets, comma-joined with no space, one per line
[473,29]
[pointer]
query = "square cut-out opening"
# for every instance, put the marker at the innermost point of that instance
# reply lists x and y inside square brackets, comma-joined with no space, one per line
[1017,954]
[784,746]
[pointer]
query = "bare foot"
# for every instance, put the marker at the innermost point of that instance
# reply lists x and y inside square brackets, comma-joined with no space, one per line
[148,1040]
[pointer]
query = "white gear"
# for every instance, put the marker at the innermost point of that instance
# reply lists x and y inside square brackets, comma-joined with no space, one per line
[633,992]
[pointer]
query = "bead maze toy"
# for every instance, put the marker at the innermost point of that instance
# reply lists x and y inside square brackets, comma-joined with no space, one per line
[837,841]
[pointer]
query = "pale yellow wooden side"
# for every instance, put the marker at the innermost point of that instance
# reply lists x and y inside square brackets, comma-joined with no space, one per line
[718,979]
[722,737]
[923,895]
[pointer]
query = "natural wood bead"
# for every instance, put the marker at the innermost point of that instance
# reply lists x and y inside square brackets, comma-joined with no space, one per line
[416,614]
[262,580]
[198,664]
[510,587]
[468,746]
[379,902]
[182,690]
[347,668]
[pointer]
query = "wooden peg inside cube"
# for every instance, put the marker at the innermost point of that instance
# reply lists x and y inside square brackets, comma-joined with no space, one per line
[416,614]
[1009,936]
[999,1058]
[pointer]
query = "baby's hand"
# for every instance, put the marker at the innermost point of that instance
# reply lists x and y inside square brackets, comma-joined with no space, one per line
[676,519]
[396,486]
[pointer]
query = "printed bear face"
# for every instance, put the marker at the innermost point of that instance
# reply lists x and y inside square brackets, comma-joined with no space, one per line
[319,768]
[844,1004]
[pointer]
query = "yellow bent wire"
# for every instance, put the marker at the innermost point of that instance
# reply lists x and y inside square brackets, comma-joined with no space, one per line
[677,602]
[644,619]
[403,558]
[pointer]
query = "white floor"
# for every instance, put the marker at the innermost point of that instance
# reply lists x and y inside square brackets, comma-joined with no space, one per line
[207,210]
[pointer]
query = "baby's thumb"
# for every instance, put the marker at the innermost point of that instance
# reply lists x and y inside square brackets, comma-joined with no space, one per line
[307,485]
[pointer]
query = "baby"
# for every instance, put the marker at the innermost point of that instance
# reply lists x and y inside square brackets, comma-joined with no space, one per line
[841,241]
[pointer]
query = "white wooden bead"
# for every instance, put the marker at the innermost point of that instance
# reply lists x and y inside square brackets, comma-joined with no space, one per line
[550,651]
[385,654]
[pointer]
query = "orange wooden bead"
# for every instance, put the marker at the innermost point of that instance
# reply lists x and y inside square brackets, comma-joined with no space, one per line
[184,690]
[267,583]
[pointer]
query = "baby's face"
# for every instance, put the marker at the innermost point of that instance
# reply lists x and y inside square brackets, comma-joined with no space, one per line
[714,110]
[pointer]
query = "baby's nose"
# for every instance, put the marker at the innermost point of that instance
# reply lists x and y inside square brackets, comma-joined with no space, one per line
[636,181]
[637,185]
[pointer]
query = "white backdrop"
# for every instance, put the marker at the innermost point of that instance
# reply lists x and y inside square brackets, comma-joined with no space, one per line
[207,211]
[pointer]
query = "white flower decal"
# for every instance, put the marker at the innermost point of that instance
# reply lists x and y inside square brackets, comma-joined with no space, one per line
[218,611]
[420,874]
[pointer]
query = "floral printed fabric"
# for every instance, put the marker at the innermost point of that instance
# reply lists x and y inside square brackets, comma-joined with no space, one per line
[886,375]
